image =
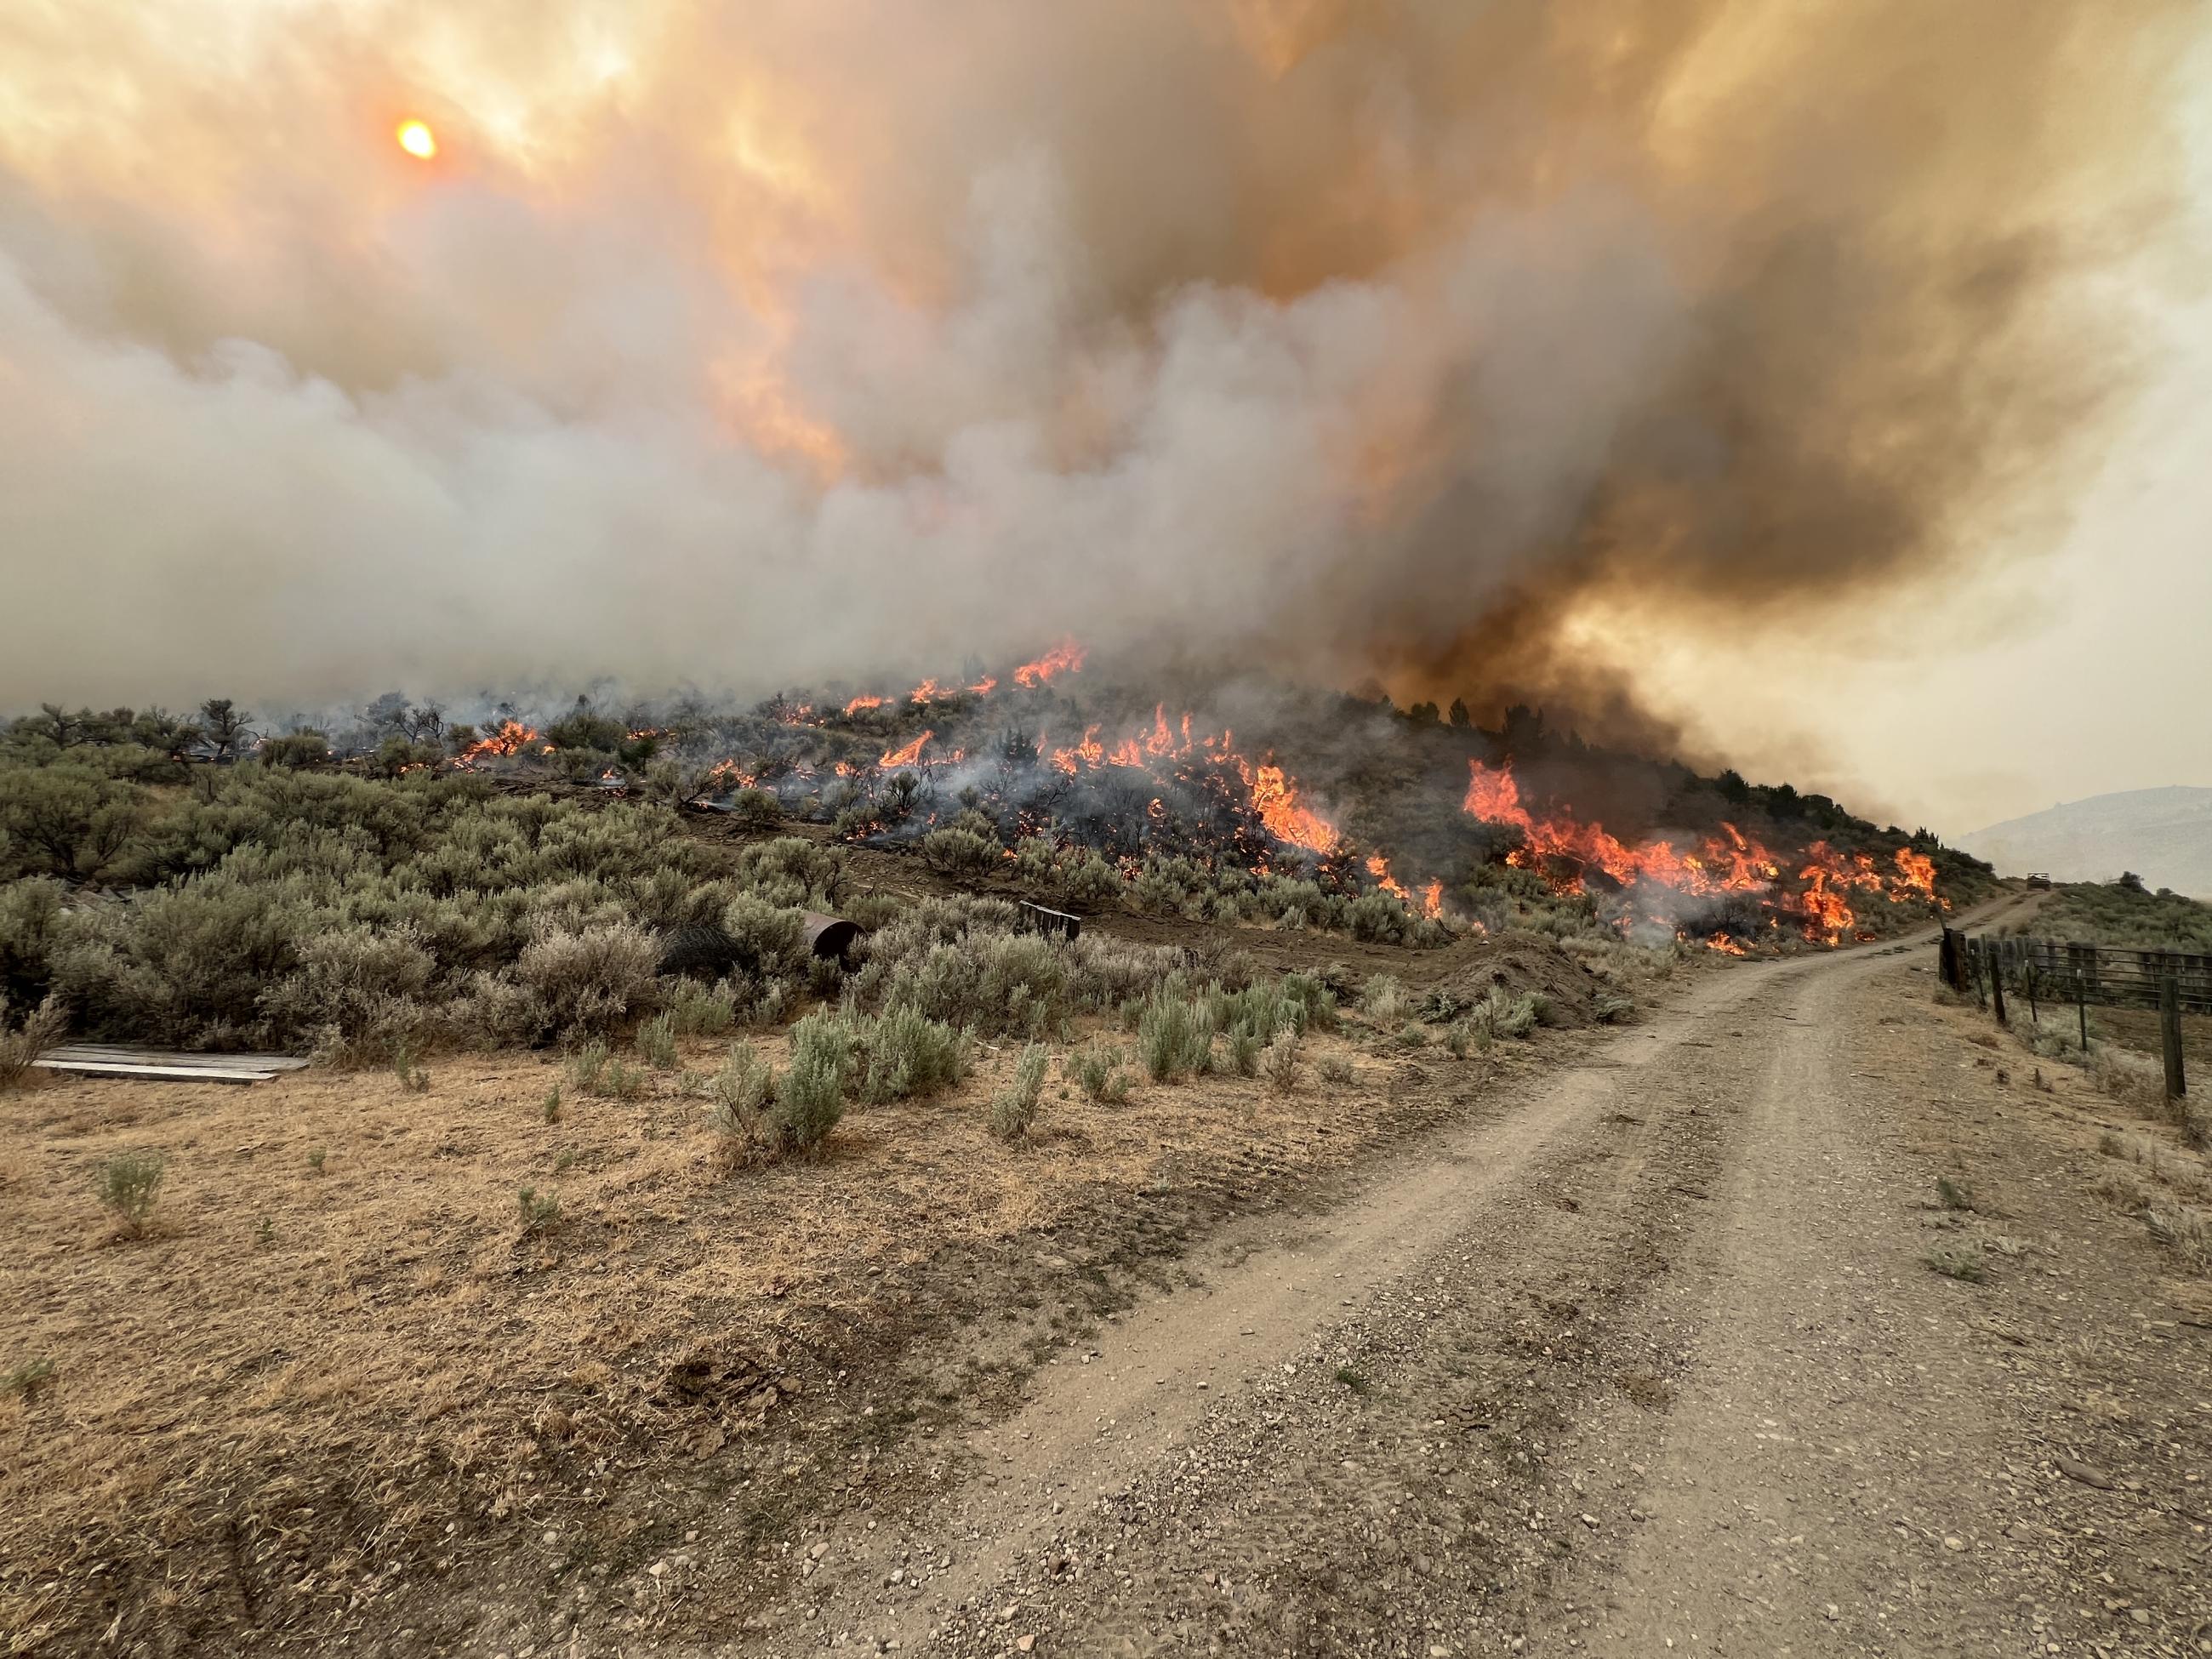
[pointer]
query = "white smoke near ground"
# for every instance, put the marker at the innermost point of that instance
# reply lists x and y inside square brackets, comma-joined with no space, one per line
[747,345]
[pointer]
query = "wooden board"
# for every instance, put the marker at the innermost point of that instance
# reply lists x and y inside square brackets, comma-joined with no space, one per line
[170,1073]
[132,1060]
[139,1054]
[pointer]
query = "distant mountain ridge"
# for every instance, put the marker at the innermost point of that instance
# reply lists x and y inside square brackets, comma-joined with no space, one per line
[2163,836]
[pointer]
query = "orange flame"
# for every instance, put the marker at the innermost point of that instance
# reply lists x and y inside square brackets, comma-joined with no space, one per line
[983,687]
[1567,850]
[1067,657]
[1275,799]
[927,691]
[909,756]
[859,703]
[507,740]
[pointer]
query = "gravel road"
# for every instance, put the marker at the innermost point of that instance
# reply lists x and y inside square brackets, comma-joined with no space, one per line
[1651,1361]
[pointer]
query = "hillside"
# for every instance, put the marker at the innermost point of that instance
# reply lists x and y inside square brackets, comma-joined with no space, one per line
[2163,836]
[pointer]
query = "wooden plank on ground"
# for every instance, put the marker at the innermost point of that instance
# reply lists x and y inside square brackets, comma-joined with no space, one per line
[169,1073]
[138,1054]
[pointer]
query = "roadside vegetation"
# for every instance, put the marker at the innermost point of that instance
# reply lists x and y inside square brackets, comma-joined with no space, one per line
[2123,912]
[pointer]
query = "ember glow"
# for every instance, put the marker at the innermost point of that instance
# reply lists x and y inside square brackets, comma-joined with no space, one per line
[906,755]
[417,140]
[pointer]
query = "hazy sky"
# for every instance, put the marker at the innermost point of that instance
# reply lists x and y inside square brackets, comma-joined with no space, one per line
[1831,382]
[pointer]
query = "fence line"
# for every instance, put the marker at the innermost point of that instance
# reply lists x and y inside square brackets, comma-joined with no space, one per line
[2174,982]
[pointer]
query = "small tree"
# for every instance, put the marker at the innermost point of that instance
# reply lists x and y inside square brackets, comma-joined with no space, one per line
[224,726]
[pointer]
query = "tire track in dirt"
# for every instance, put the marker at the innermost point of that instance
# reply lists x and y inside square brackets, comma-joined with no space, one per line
[1464,1273]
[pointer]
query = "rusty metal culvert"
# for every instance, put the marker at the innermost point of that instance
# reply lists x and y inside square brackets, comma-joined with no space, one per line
[829,936]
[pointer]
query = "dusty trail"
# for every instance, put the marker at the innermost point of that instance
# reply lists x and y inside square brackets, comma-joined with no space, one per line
[1650,1361]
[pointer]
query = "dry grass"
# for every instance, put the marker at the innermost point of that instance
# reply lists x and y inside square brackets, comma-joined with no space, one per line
[343,1334]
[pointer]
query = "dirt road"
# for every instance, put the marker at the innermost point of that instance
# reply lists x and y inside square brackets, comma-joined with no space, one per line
[1652,1360]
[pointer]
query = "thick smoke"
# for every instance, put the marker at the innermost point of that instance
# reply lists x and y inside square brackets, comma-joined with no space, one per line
[739,345]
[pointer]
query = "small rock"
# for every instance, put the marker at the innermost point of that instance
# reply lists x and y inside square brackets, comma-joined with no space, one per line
[1023,1644]
[1834,1611]
[1954,1543]
[819,1550]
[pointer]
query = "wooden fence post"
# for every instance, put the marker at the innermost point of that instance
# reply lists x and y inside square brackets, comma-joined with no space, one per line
[1990,949]
[2169,1032]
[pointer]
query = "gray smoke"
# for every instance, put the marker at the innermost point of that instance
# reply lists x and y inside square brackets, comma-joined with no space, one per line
[748,345]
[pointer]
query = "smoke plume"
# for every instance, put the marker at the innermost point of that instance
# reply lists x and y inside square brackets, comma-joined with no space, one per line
[737,345]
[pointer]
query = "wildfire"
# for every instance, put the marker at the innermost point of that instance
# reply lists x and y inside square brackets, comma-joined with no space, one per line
[507,740]
[1565,850]
[859,703]
[908,756]
[1275,799]
[984,686]
[1065,658]
[416,139]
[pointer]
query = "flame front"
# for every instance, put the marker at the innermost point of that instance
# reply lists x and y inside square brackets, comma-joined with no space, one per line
[1565,851]
[1067,658]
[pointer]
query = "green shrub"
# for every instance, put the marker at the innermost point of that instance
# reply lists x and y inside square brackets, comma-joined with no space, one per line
[742,1093]
[1014,1108]
[697,1011]
[23,1045]
[1098,1072]
[586,981]
[25,1379]
[810,1094]
[540,1213]
[1279,1065]
[656,1043]
[30,919]
[127,1184]
[1175,1035]
[906,1055]
[412,1077]
[551,1110]
[955,852]
[1610,1007]
[1337,1072]
[1382,998]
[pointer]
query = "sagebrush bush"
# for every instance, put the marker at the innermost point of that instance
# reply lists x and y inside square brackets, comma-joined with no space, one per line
[1280,1064]
[587,981]
[1384,998]
[1175,1035]
[956,852]
[904,1053]
[1014,1108]
[1098,1072]
[656,1043]
[127,1185]
[810,1097]
[23,1042]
